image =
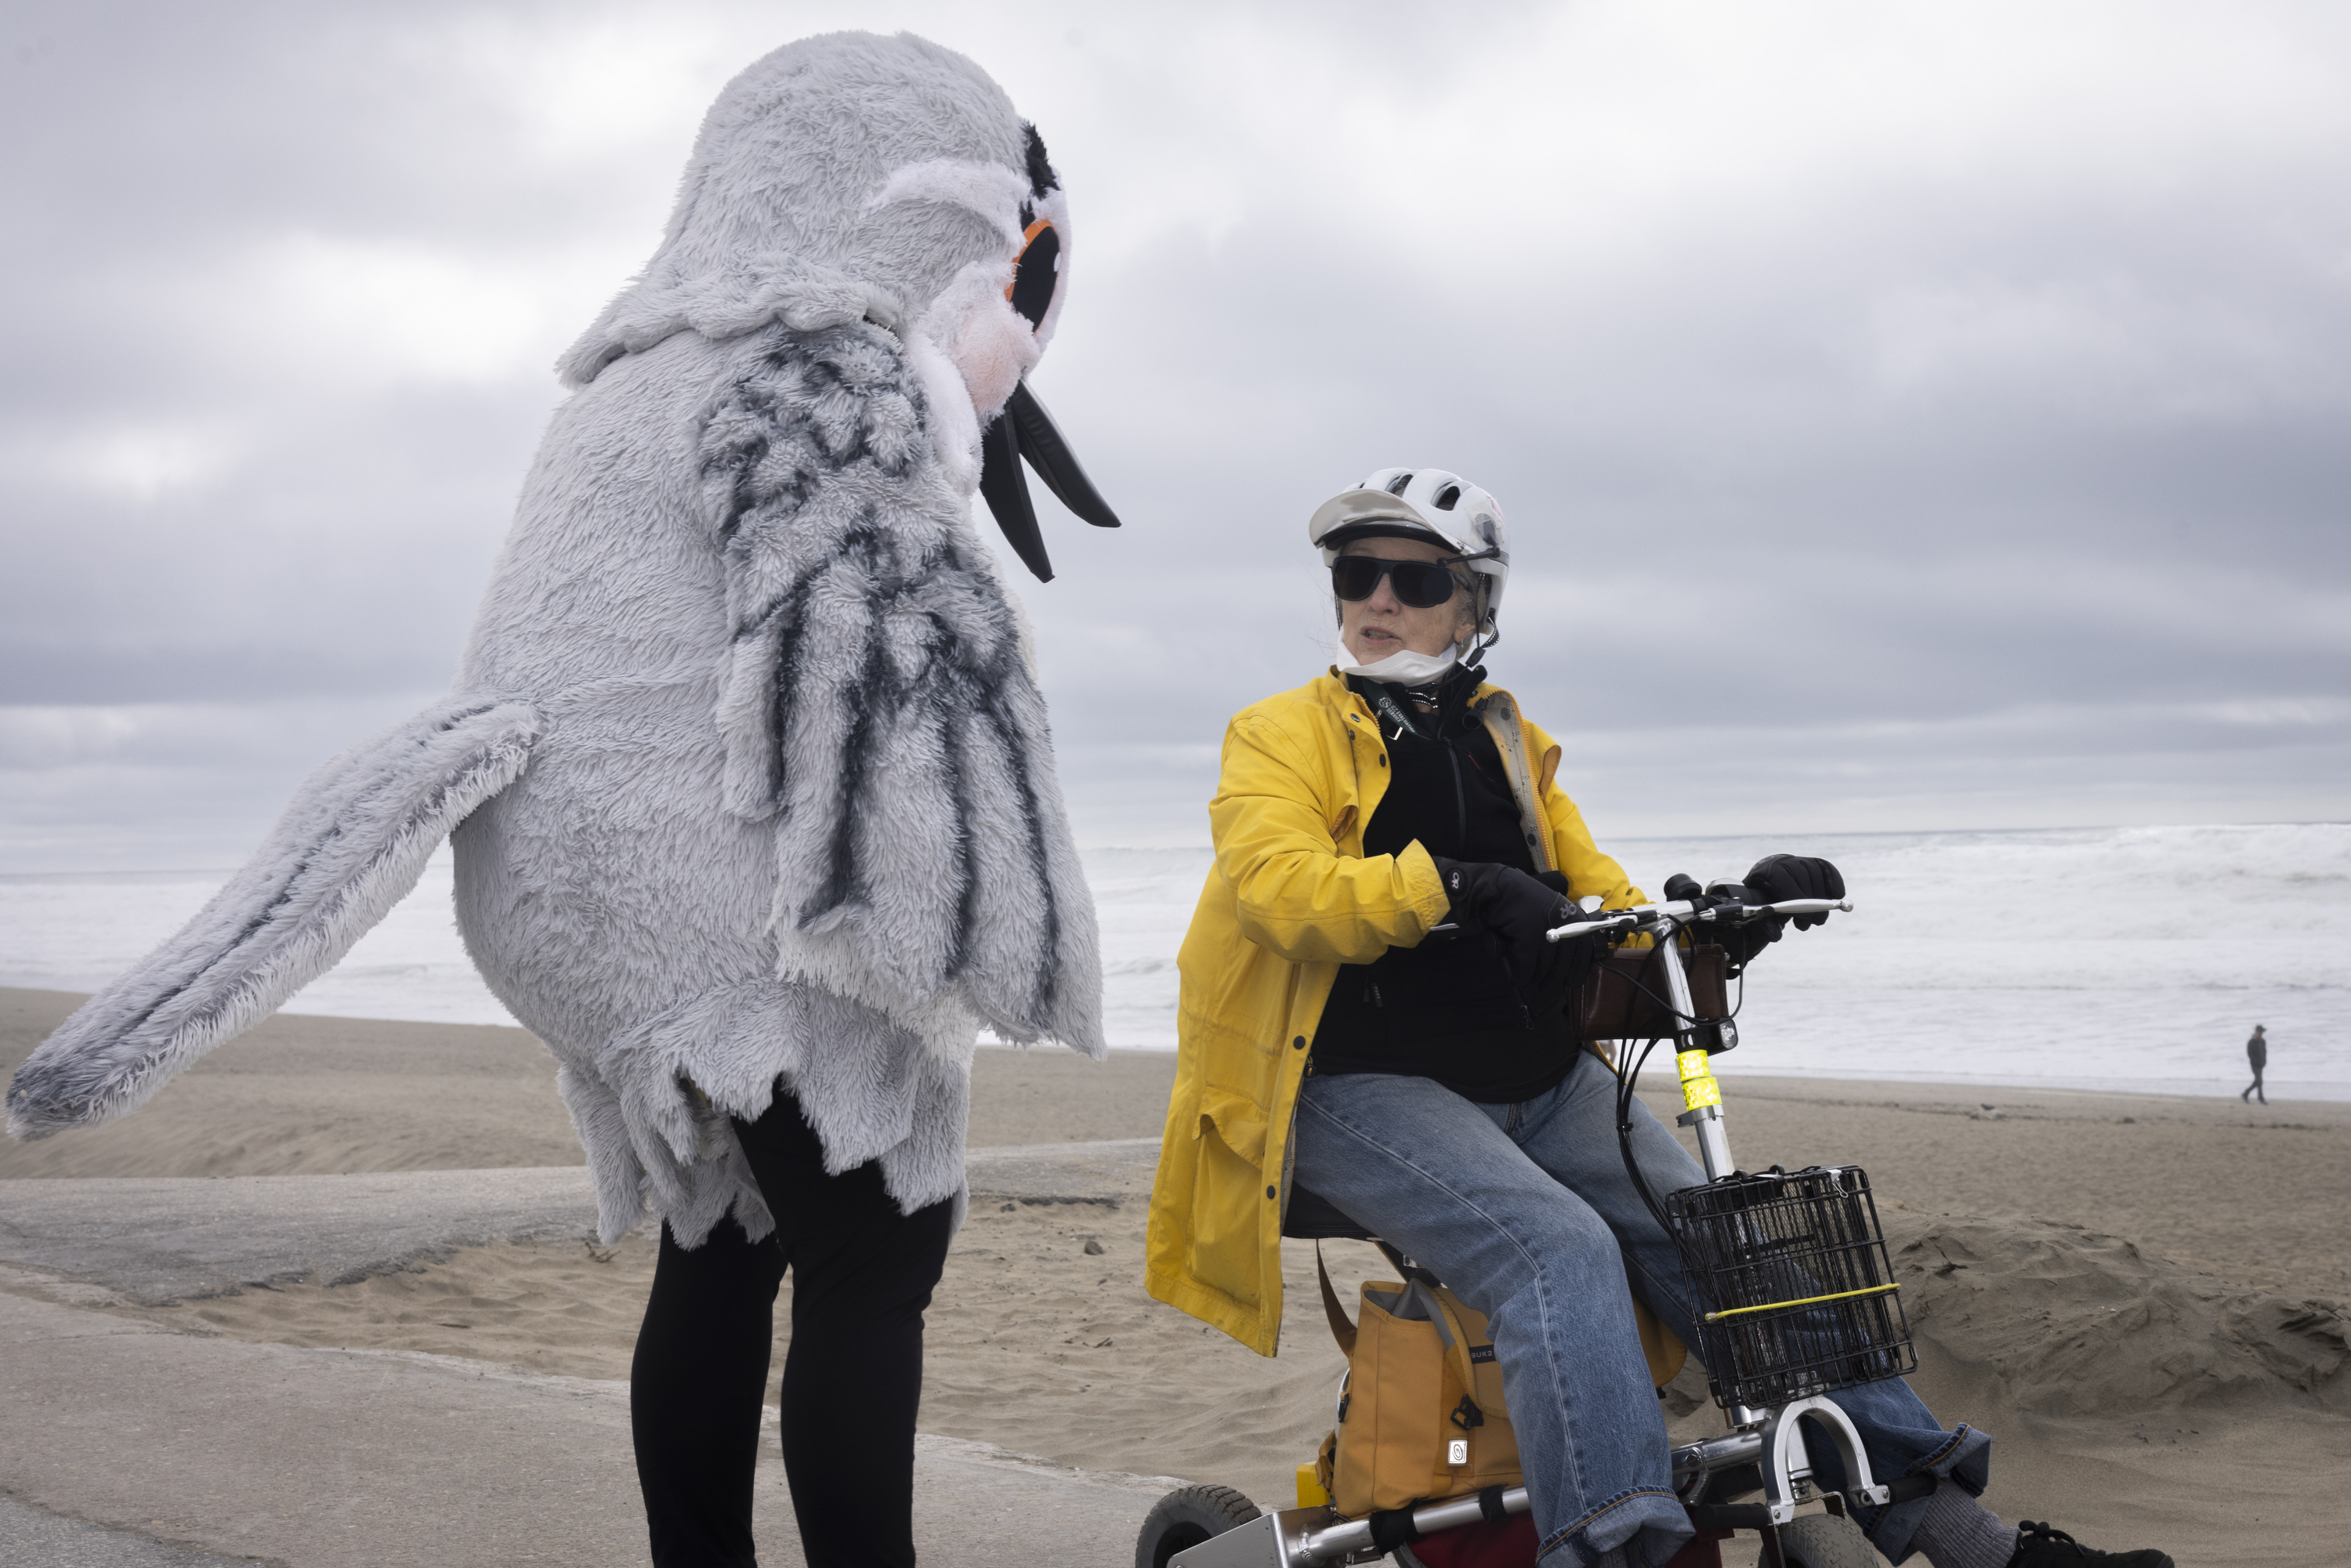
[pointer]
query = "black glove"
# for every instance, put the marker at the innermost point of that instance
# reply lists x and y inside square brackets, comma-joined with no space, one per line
[1779,877]
[1514,906]
[1571,960]
[1769,880]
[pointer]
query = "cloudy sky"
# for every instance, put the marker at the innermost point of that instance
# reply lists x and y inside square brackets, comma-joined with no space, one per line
[1907,415]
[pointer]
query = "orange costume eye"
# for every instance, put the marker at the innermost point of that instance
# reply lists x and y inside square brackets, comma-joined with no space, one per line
[1036,273]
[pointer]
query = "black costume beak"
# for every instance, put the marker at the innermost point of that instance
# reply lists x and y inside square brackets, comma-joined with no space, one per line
[1025,430]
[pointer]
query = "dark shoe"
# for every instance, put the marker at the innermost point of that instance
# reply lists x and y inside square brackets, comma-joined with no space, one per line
[2041,1546]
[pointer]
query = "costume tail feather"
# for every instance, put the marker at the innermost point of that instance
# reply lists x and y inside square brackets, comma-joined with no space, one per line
[350,846]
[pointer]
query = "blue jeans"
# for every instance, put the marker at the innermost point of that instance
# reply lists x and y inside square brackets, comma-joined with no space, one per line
[1526,1211]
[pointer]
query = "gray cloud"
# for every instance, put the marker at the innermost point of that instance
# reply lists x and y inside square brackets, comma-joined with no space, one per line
[1947,440]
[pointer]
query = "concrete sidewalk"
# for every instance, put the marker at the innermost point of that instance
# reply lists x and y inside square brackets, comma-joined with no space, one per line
[164,1238]
[365,1459]
[127,1444]
[29,1535]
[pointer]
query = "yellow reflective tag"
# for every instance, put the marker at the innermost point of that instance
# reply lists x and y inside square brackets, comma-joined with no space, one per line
[1699,1087]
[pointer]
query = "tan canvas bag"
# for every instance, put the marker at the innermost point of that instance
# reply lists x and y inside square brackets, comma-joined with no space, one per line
[1422,1415]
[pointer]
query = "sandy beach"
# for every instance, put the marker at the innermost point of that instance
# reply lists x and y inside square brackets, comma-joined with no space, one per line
[2139,1296]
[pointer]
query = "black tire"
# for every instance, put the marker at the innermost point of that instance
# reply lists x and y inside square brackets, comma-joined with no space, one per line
[1187,1516]
[1825,1540]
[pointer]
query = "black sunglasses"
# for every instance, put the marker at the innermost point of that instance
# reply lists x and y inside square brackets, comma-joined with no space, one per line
[1422,584]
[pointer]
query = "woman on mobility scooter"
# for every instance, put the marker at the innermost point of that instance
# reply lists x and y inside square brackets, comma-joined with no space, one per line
[1369,1011]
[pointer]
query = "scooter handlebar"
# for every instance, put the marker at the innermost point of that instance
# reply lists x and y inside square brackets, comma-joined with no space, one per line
[1641,915]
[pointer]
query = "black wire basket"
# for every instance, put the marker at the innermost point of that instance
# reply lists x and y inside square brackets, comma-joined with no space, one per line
[1796,1295]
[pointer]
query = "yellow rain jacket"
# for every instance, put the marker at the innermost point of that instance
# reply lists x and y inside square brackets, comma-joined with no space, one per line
[1292,898]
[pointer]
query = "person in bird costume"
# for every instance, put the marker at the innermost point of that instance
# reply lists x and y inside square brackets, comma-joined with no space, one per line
[748,772]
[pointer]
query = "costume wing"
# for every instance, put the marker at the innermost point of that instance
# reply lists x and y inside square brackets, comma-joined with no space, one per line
[880,711]
[350,846]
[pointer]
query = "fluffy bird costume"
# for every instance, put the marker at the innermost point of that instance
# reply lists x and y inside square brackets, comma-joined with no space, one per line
[746,767]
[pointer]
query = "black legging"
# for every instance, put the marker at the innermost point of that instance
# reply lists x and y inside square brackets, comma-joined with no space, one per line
[861,1276]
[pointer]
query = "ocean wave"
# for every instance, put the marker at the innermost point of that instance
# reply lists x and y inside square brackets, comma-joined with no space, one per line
[2070,955]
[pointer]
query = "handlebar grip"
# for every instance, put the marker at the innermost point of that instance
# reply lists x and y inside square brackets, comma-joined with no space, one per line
[1810,906]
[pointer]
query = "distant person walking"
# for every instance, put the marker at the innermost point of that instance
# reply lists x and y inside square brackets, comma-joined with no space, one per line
[2257,1052]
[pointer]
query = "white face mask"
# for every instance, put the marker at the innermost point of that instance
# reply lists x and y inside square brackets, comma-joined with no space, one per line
[1405,669]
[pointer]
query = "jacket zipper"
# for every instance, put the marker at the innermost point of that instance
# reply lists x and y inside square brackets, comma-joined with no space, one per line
[1460,804]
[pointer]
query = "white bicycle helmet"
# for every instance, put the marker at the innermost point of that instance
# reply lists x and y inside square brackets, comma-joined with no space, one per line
[1423,503]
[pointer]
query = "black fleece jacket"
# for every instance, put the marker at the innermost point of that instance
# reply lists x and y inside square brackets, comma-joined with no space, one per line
[1446,1009]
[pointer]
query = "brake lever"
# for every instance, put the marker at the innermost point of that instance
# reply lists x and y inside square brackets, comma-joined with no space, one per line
[1586,928]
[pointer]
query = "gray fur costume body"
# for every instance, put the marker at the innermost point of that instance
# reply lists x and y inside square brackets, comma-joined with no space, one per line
[747,767]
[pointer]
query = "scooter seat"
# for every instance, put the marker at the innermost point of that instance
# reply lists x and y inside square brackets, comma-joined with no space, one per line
[1311,1216]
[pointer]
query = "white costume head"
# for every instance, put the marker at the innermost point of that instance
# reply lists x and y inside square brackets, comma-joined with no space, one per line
[943,221]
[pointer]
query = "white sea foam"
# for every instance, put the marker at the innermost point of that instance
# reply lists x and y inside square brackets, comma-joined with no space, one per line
[2101,958]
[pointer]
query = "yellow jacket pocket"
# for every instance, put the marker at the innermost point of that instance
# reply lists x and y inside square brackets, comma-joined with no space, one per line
[1226,1237]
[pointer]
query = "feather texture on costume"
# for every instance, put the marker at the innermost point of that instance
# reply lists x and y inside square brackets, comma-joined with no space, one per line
[878,711]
